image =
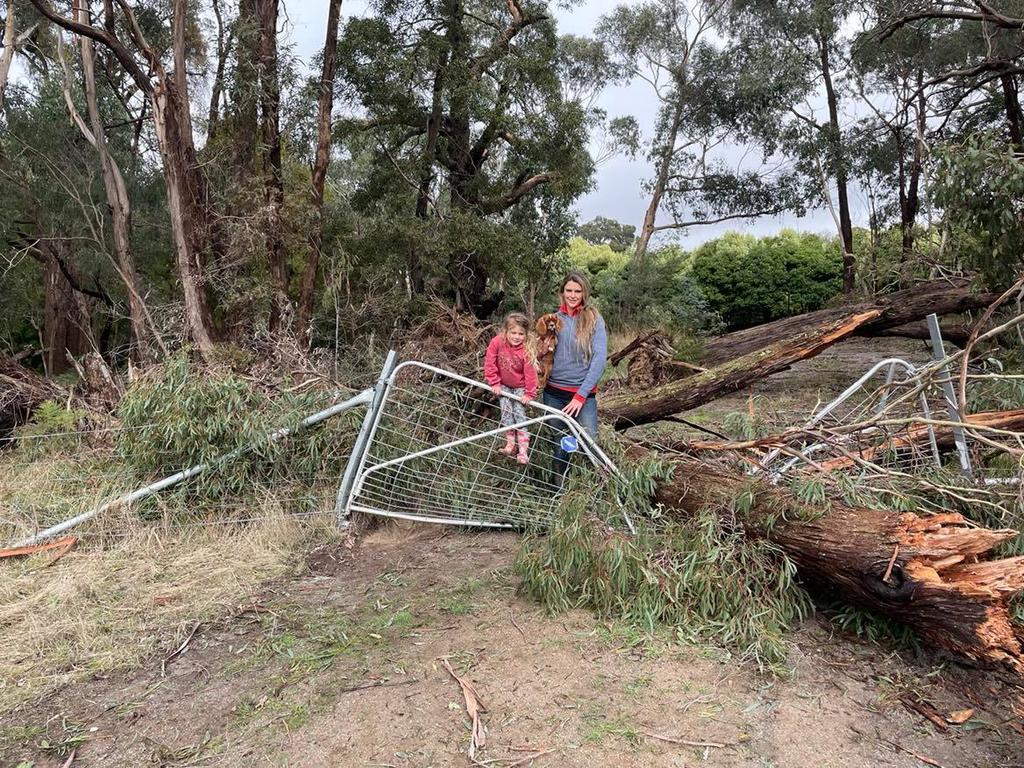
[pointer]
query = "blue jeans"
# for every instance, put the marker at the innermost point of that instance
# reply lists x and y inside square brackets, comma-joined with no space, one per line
[587,417]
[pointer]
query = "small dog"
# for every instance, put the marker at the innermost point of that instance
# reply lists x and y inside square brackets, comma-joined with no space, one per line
[547,329]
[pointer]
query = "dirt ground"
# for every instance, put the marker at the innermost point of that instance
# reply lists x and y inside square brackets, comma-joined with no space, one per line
[341,666]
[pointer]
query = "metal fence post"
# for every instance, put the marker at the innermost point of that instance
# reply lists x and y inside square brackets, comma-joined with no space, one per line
[355,459]
[955,415]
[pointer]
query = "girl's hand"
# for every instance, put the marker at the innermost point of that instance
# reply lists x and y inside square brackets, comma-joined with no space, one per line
[496,389]
[525,399]
[573,408]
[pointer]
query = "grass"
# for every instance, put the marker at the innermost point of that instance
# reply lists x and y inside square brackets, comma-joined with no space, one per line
[597,728]
[105,609]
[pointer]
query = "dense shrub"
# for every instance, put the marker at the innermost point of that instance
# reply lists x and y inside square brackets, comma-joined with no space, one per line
[751,281]
[180,415]
[660,292]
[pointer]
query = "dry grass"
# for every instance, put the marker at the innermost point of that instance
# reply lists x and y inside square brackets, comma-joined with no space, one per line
[101,609]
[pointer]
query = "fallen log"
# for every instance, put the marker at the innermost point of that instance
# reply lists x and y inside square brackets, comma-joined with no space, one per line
[956,334]
[943,297]
[630,409]
[925,572]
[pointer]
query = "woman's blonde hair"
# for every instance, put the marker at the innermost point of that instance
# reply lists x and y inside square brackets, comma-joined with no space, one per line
[586,321]
[519,320]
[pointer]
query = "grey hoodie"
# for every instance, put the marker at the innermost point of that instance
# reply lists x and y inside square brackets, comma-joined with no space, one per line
[571,369]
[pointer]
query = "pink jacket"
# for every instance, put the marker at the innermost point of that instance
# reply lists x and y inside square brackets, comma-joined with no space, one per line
[507,365]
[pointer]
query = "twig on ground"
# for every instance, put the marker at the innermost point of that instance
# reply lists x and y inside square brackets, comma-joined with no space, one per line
[178,651]
[915,755]
[378,684]
[683,742]
[71,759]
[530,758]
[926,711]
[515,624]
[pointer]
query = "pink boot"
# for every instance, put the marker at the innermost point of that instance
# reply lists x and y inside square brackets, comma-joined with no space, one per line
[524,443]
[510,443]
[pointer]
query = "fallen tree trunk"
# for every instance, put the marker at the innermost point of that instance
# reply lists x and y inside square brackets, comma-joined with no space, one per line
[943,297]
[21,390]
[925,572]
[955,334]
[631,409]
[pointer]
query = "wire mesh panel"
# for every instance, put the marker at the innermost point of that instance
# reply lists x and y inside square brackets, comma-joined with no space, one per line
[435,455]
[885,418]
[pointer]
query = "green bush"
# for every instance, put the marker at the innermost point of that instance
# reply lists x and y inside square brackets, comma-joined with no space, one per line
[749,281]
[184,416]
[660,292]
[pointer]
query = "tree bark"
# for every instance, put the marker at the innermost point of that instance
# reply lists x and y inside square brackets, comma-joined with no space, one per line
[911,201]
[223,51]
[118,200]
[943,297]
[1014,117]
[660,182]
[7,54]
[67,320]
[925,572]
[270,129]
[320,167]
[630,409]
[192,224]
[838,163]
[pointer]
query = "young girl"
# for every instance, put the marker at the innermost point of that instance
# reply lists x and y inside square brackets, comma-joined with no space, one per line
[509,362]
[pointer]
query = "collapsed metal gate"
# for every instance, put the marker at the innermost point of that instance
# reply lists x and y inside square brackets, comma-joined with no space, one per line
[429,446]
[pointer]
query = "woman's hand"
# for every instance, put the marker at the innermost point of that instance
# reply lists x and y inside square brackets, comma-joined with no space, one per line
[573,408]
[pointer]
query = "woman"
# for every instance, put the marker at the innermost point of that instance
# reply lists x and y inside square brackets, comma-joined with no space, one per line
[579,361]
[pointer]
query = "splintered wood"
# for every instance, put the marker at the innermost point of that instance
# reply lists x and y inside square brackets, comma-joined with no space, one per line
[936,583]
[632,409]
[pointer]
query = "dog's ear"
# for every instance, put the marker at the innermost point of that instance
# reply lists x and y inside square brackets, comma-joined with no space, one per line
[542,326]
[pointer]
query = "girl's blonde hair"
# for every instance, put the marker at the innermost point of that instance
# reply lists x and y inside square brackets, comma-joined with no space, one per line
[519,320]
[586,321]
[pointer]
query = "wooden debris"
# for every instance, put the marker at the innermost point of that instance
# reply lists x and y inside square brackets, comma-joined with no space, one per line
[942,297]
[474,708]
[21,391]
[631,409]
[683,742]
[65,543]
[179,650]
[960,717]
[934,585]
[926,710]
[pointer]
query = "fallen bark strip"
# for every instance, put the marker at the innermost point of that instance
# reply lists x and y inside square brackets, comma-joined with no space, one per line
[935,582]
[631,409]
[943,297]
